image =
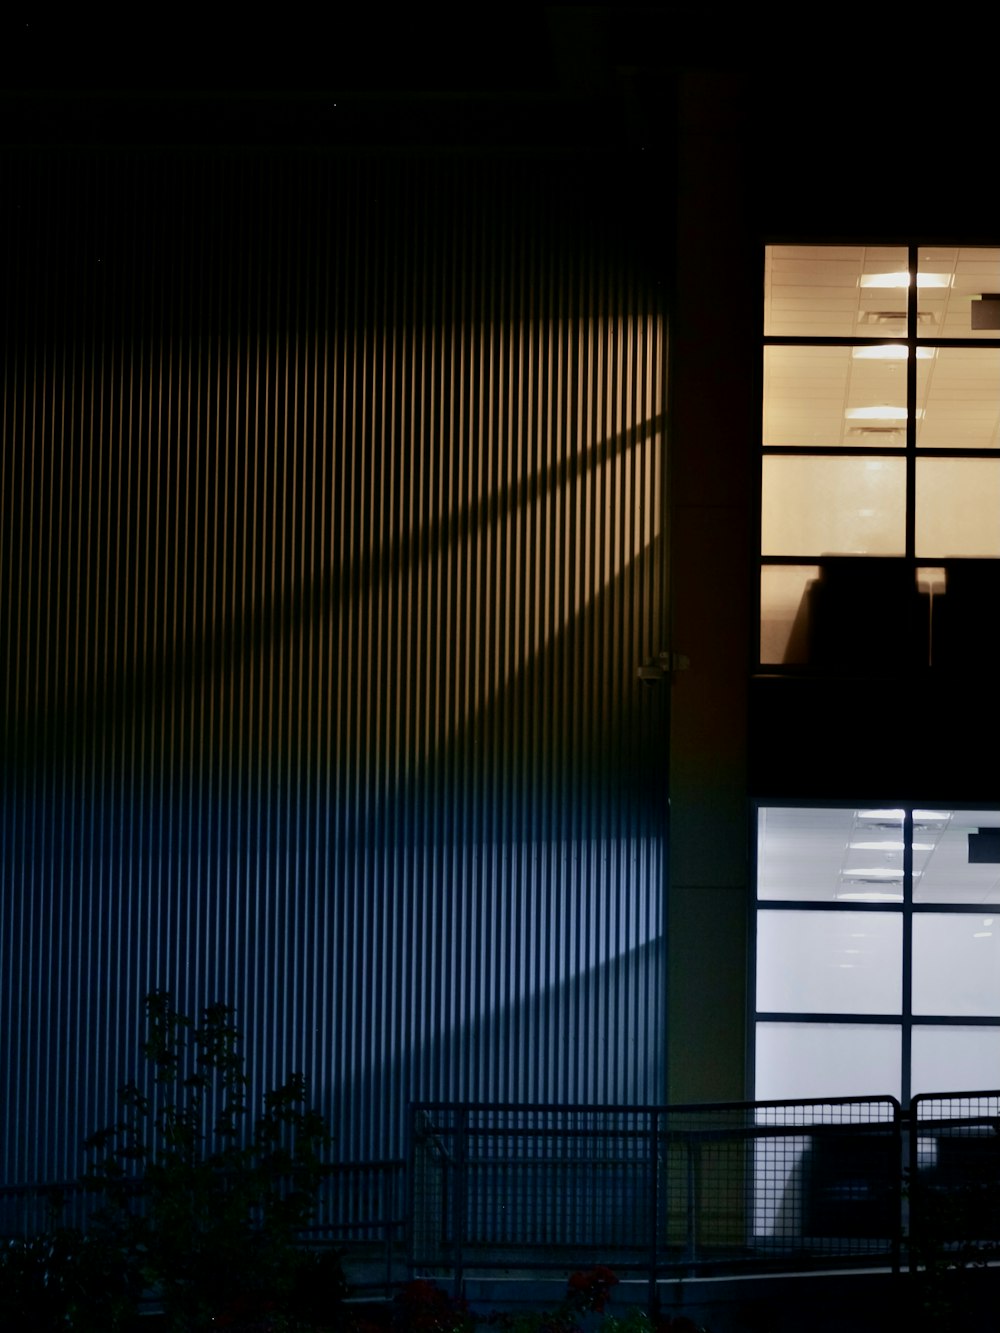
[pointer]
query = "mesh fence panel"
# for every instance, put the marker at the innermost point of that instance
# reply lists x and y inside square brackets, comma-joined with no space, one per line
[697,1188]
[954,1185]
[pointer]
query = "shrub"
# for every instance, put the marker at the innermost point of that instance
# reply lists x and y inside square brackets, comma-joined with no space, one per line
[205,1209]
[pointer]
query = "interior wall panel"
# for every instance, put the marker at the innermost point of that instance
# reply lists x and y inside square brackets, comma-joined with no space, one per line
[332,497]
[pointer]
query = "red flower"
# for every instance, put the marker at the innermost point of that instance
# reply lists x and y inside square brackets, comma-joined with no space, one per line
[591,1288]
[419,1292]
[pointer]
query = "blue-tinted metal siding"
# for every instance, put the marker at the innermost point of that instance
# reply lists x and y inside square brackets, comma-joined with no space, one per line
[332,496]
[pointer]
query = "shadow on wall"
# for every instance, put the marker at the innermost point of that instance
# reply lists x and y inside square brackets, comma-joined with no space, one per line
[460,935]
[525,544]
[588,1039]
[489,926]
[323,693]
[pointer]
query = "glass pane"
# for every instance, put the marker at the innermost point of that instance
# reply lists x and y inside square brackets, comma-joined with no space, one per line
[954,1059]
[827,1060]
[834,291]
[828,855]
[784,593]
[956,964]
[830,962]
[833,506]
[828,396]
[958,395]
[951,281]
[941,855]
[958,507]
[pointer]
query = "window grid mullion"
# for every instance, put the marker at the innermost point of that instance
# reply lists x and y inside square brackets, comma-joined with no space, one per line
[911,408]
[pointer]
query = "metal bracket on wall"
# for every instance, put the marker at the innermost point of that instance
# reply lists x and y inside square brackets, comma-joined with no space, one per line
[655,668]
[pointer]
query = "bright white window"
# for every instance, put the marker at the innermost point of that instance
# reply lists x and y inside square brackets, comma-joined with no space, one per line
[877,951]
[829,962]
[826,1060]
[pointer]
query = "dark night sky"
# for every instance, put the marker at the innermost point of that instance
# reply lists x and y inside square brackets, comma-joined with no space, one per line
[382,76]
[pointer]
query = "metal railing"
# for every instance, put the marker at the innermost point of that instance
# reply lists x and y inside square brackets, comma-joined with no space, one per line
[687,1190]
[360,1205]
[656,1191]
[954,1178]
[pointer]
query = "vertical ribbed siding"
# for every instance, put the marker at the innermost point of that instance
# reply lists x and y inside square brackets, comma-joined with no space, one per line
[331,500]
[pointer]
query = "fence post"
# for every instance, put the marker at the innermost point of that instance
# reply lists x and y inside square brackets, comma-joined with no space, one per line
[897,1157]
[389,1188]
[690,1145]
[654,1204]
[410,1190]
[461,1196]
[914,1201]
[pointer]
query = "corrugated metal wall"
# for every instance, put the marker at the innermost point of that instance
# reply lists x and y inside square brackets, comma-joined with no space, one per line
[332,496]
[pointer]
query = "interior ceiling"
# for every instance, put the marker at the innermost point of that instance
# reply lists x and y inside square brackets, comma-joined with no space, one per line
[829,396]
[855,855]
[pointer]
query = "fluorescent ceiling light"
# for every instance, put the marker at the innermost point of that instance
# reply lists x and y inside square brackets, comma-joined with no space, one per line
[891,352]
[885,352]
[889,846]
[875,872]
[932,814]
[883,412]
[885,280]
[870,897]
[881,814]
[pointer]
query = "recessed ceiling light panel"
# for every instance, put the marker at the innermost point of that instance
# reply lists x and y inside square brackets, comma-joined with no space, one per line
[902,279]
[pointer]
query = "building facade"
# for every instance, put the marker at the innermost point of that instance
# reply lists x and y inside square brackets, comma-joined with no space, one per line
[382,556]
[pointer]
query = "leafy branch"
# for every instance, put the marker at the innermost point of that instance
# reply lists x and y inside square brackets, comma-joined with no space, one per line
[205,1207]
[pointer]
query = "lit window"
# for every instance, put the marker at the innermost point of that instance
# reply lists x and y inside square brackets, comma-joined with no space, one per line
[880,484]
[877,951]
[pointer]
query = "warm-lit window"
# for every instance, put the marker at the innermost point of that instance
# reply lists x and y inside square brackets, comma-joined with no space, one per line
[880,486]
[877,951]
